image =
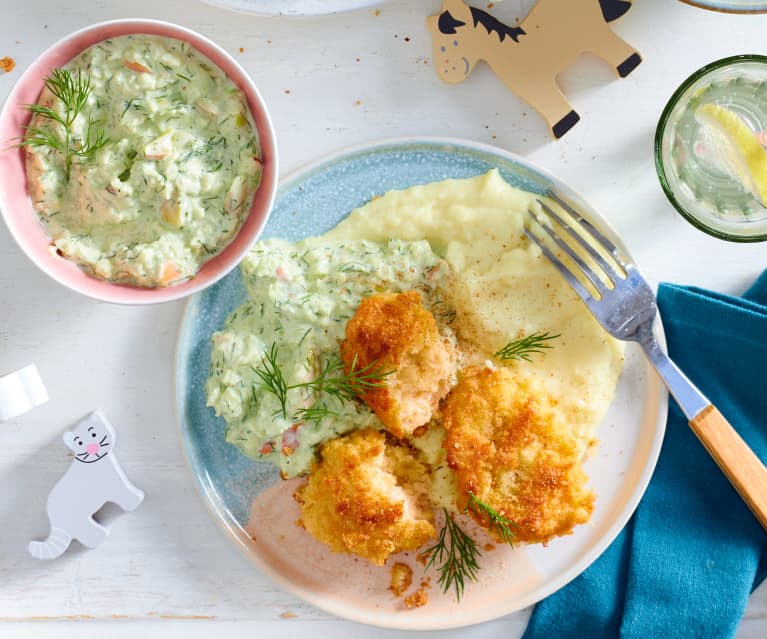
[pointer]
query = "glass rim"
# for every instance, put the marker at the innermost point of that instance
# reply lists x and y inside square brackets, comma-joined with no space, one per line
[658,144]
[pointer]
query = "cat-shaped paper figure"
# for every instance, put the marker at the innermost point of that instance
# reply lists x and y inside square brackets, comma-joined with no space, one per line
[94,478]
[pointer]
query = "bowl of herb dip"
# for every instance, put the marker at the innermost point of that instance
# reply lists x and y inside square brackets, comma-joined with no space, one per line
[139,162]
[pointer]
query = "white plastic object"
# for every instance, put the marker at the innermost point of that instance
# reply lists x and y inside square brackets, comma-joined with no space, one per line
[94,478]
[20,392]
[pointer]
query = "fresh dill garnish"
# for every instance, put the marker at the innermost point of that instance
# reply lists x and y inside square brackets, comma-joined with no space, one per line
[271,375]
[332,379]
[314,414]
[455,556]
[491,519]
[72,90]
[524,347]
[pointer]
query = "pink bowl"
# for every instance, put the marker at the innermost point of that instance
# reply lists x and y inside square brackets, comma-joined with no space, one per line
[16,206]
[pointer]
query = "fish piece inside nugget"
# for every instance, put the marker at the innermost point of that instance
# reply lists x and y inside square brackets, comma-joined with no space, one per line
[398,336]
[368,496]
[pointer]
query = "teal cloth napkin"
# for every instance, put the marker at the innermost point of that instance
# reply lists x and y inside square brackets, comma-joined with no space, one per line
[688,559]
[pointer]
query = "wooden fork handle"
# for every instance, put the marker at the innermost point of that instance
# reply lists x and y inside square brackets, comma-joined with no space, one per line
[738,462]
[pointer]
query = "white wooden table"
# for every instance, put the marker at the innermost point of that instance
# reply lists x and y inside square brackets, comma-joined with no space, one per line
[331,82]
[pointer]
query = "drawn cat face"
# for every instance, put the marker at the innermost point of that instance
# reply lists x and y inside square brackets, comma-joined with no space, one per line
[91,439]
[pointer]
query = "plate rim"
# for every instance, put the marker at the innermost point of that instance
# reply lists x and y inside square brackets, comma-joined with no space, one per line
[402,622]
[241,6]
[727,7]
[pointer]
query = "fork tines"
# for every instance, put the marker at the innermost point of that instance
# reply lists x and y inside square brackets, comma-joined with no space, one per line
[598,261]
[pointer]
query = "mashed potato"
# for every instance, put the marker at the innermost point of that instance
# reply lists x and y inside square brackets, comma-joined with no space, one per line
[504,288]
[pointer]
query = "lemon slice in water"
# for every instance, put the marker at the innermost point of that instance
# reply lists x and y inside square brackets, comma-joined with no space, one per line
[741,154]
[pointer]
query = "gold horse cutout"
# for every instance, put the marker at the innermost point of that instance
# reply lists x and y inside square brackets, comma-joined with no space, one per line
[528,58]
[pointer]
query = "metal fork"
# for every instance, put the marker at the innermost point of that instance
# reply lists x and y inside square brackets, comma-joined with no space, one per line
[623,303]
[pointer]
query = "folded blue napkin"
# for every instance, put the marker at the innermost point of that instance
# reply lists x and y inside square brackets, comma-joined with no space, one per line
[688,559]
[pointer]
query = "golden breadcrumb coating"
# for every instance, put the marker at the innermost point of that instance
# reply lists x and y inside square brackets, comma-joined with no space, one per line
[395,333]
[401,578]
[506,447]
[368,497]
[419,598]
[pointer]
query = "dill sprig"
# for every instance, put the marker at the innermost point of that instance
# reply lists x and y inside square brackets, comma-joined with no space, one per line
[72,90]
[331,380]
[314,414]
[524,347]
[494,521]
[455,555]
[270,374]
[334,381]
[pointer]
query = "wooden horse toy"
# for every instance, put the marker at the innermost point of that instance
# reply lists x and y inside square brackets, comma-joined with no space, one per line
[528,58]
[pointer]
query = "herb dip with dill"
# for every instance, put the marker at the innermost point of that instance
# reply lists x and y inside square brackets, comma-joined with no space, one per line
[156,168]
[300,297]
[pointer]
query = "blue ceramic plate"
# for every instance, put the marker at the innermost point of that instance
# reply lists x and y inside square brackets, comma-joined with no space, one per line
[255,507]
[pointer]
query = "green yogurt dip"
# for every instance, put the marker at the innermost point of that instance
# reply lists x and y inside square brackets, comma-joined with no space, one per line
[174,182]
[300,297]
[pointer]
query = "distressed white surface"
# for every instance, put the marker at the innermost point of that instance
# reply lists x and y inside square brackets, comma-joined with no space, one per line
[331,81]
[293,7]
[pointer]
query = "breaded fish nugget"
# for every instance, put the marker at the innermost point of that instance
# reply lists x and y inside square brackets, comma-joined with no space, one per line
[393,332]
[368,497]
[507,449]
